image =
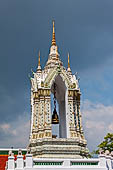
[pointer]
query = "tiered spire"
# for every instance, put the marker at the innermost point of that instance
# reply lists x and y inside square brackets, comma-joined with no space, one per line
[53,39]
[53,58]
[39,66]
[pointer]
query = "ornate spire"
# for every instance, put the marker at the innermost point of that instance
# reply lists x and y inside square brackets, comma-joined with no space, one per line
[39,58]
[69,69]
[68,61]
[53,39]
[39,66]
[53,58]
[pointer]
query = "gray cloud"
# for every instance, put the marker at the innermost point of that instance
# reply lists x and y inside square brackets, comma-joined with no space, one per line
[15,133]
[97,121]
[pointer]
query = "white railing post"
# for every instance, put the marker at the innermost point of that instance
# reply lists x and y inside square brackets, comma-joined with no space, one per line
[11,162]
[112,162]
[102,161]
[112,159]
[20,161]
[108,160]
[29,161]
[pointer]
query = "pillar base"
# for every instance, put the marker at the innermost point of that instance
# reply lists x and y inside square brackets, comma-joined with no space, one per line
[59,148]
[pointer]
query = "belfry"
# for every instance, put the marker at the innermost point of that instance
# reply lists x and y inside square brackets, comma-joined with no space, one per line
[55,86]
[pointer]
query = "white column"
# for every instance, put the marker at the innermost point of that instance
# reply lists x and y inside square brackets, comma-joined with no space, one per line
[67,114]
[47,115]
[11,163]
[29,161]
[77,125]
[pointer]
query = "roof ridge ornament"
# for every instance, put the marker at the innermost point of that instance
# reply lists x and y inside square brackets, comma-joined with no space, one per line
[53,38]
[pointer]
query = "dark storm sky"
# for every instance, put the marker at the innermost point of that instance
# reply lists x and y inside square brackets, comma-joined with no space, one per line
[85,29]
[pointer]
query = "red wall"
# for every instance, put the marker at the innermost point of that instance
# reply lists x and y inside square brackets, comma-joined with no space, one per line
[3,159]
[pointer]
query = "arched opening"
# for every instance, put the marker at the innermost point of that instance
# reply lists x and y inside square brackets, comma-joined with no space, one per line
[59,130]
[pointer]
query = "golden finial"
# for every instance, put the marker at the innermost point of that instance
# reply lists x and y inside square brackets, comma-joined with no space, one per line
[53,27]
[39,66]
[53,39]
[68,61]
[39,58]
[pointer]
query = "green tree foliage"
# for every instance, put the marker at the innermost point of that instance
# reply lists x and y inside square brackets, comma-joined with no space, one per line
[107,144]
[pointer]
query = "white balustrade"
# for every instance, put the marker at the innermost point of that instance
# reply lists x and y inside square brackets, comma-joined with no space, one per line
[104,162]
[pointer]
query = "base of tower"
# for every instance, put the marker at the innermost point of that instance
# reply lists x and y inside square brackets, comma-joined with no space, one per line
[59,148]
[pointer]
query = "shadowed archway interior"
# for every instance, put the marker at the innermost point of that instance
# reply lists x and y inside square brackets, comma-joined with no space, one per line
[61,111]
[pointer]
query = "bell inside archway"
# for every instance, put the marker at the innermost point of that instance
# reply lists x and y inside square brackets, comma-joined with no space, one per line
[55,119]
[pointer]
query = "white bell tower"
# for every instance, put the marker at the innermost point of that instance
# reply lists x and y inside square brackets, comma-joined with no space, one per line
[57,80]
